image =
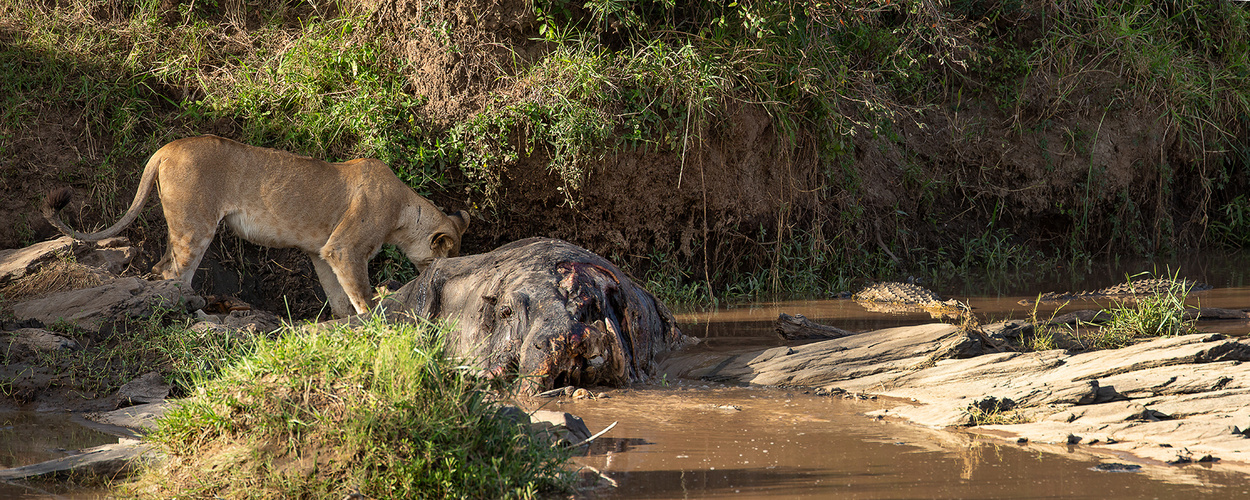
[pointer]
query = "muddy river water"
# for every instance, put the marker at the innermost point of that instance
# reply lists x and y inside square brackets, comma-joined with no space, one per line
[694,439]
[687,438]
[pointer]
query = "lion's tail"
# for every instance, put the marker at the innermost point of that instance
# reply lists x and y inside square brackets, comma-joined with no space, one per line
[59,198]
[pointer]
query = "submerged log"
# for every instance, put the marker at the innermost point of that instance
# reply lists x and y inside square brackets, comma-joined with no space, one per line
[550,311]
[106,461]
[798,327]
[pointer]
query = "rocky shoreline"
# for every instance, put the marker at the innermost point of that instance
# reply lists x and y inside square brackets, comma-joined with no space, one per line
[1175,400]
[1170,402]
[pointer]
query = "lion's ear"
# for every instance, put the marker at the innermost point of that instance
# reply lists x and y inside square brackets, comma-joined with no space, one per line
[442,243]
[461,220]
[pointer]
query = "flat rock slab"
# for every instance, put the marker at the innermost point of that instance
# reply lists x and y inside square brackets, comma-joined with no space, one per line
[131,422]
[17,262]
[36,340]
[867,356]
[1178,400]
[147,388]
[89,308]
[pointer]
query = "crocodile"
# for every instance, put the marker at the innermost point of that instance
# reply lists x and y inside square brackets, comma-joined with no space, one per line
[894,297]
[1129,290]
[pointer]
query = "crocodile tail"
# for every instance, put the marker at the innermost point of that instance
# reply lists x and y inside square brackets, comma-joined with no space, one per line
[59,198]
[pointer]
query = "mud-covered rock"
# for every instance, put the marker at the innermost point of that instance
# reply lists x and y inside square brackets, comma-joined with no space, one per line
[125,298]
[866,356]
[101,462]
[146,388]
[111,255]
[798,327]
[17,262]
[555,426]
[25,341]
[549,310]
[131,421]
[253,321]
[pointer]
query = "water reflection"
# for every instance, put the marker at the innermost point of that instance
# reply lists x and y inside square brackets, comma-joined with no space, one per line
[32,437]
[1216,268]
[755,321]
[787,444]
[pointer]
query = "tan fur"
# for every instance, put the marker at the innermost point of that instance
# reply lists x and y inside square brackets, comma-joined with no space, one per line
[340,214]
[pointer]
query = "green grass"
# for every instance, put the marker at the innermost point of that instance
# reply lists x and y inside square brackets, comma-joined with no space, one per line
[1045,336]
[1152,316]
[380,409]
[1231,227]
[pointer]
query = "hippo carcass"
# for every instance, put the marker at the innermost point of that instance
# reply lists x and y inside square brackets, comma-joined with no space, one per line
[545,309]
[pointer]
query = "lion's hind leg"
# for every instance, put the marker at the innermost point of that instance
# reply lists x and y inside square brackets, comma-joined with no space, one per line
[187,246]
[165,264]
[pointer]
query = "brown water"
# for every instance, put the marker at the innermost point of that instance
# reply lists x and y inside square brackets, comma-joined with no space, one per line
[692,439]
[33,437]
[696,441]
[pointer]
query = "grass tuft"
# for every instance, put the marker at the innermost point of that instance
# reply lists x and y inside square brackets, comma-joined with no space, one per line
[1044,336]
[1152,316]
[994,411]
[380,410]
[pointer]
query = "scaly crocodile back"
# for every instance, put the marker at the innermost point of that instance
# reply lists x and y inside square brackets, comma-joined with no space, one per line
[1151,286]
[1128,290]
[894,297]
[897,293]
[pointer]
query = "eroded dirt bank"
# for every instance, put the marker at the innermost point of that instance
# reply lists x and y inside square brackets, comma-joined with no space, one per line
[1013,152]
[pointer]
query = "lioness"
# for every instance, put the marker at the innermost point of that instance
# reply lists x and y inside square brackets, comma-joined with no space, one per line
[340,214]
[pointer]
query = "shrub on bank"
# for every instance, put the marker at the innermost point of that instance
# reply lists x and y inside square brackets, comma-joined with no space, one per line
[380,410]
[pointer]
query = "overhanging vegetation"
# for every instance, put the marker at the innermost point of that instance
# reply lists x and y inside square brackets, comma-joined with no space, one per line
[1018,131]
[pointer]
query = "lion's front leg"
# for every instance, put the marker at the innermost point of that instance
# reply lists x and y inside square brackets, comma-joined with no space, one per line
[340,304]
[353,277]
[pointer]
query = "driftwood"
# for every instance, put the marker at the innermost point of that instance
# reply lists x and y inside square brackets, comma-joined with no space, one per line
[798,327]
[550,311]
